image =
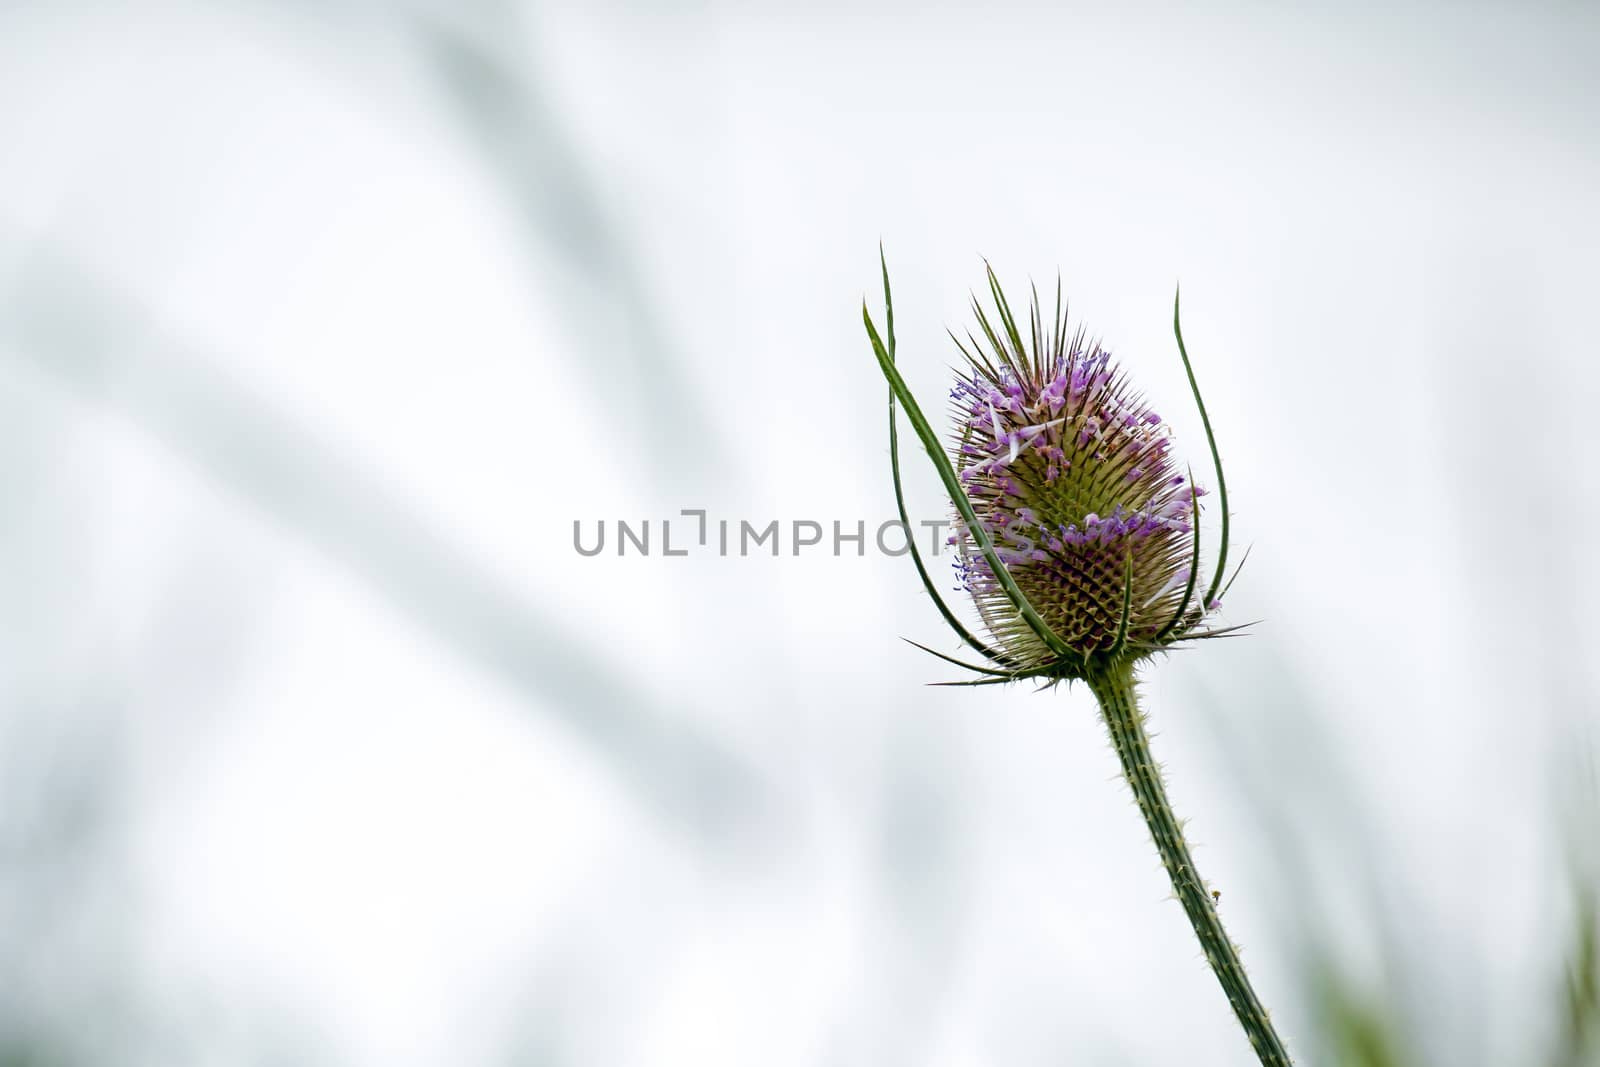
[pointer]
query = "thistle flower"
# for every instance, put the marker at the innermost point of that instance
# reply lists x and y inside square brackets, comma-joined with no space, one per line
[1073,480]
[1078,539]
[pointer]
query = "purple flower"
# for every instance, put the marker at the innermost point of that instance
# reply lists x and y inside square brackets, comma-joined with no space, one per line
[1073,451]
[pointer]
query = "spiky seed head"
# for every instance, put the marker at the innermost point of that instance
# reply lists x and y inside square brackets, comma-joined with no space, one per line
[1073,478]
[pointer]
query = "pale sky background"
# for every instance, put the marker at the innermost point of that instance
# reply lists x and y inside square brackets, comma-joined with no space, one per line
[320,324]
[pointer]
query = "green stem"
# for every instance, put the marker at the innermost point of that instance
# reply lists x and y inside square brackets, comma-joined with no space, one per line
[1114,689]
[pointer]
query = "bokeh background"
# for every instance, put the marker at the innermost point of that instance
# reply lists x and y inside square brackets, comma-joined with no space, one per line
[322,322]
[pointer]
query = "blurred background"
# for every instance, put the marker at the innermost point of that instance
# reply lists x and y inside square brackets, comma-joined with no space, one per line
[321,323]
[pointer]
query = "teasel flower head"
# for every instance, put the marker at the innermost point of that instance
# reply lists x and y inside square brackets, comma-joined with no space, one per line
[1079,542]
[1076,526]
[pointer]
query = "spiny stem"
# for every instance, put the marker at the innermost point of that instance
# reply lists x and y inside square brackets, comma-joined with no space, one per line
[1115,691]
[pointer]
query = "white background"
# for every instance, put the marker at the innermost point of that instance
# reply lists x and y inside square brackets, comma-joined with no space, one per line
[320,325]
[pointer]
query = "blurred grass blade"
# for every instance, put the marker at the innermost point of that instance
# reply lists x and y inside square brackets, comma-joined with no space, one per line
[79,332]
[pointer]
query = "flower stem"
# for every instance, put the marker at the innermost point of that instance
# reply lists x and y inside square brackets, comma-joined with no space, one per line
[1114,689]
